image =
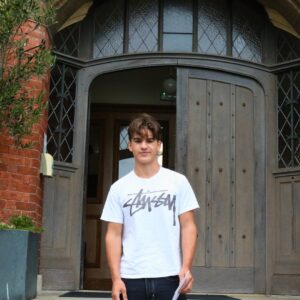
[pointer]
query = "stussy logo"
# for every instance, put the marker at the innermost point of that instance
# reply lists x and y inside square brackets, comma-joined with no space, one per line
[149,200]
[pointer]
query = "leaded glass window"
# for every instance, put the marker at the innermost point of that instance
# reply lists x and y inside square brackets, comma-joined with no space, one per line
[143,26]
[109,29]
[288,46]
[212,26]
[126,160]
[67,40]
[61,112]
[289,119]
[178,25]
[216,27]
[246,34]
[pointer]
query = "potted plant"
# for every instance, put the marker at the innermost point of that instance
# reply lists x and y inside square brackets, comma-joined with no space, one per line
[19,245]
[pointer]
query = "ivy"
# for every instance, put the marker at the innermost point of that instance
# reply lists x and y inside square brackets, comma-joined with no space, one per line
[20,62]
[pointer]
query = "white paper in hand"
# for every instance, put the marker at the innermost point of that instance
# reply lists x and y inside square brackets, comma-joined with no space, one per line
[182,282]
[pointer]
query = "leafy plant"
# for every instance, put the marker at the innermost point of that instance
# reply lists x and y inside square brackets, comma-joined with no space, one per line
[21,223]
[20,62]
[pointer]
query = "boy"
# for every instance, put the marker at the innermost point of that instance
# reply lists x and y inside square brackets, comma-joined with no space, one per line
[151,234]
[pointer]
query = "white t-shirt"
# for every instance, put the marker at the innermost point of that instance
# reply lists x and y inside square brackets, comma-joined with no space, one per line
[149,208]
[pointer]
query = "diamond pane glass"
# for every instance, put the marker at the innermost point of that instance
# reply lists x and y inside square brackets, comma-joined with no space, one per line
[108,29]
[289,119]
[288,46]
[246,34]
[67,40]
[143,26]
[61,112]
[124,138]
[212,26]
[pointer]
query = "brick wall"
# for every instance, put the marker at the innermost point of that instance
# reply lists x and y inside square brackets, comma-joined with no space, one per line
[21,185]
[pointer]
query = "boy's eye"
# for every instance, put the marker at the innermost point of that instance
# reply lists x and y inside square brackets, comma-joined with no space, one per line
[138,140]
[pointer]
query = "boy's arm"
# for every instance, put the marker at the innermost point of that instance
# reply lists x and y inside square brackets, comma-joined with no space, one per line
[113,241]
[188,232]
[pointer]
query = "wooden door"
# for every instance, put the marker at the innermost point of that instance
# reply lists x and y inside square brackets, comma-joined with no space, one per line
[221,149]
[108,160]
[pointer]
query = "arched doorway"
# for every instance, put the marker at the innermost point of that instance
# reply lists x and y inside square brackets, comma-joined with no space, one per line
[217,147]
[220,91]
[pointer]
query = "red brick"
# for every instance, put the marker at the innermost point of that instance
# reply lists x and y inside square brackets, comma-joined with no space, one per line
[2,204]
[13,150]
[17,177]
[11,195]
[10,205]
[30,179]
[32,153]
[25,206]
[15,160]
[6,140]
[3,174]
[3,167]
[35,163]
[12,168]
[34,198]
[28,171]
[26,197]
[3,184]
[3,148]
[26,188]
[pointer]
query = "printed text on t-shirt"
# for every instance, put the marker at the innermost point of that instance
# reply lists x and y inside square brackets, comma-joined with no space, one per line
[148,200]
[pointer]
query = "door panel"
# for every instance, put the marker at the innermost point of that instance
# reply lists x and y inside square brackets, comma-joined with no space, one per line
[57,246]
[224,118]
[108,152]
[286,269]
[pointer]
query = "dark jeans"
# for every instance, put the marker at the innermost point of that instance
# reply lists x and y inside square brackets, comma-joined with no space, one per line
[162,288]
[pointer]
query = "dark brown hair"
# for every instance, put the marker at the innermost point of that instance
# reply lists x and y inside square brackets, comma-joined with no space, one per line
[141,124]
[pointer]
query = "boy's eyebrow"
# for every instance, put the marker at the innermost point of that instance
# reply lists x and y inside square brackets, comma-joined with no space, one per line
[143,138]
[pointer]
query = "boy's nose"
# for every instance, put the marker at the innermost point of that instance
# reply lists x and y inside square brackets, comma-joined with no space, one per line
[144,144]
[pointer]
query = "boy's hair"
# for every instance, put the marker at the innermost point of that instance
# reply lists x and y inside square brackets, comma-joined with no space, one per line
[144,122]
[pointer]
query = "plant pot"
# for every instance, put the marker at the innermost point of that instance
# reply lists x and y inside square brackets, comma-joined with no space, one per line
[19,264]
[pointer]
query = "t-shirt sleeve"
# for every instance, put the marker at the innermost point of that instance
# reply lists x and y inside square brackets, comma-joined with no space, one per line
[112,211]
[187,198]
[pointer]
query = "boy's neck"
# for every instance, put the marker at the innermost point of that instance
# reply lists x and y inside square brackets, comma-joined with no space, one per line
[146,171]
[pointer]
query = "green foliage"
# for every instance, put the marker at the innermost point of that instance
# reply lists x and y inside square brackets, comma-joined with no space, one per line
[21,223]
[20,109]
[4,226]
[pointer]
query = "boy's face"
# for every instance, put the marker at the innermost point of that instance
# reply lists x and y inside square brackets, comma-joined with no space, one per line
[144,147]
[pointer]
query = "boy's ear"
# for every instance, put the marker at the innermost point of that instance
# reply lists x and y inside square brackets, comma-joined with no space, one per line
[129,146]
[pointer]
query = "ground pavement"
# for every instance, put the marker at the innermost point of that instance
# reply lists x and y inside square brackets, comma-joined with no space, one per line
[65,295]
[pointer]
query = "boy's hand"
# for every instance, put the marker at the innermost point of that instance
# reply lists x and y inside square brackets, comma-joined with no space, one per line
[187,287]
[118,288]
